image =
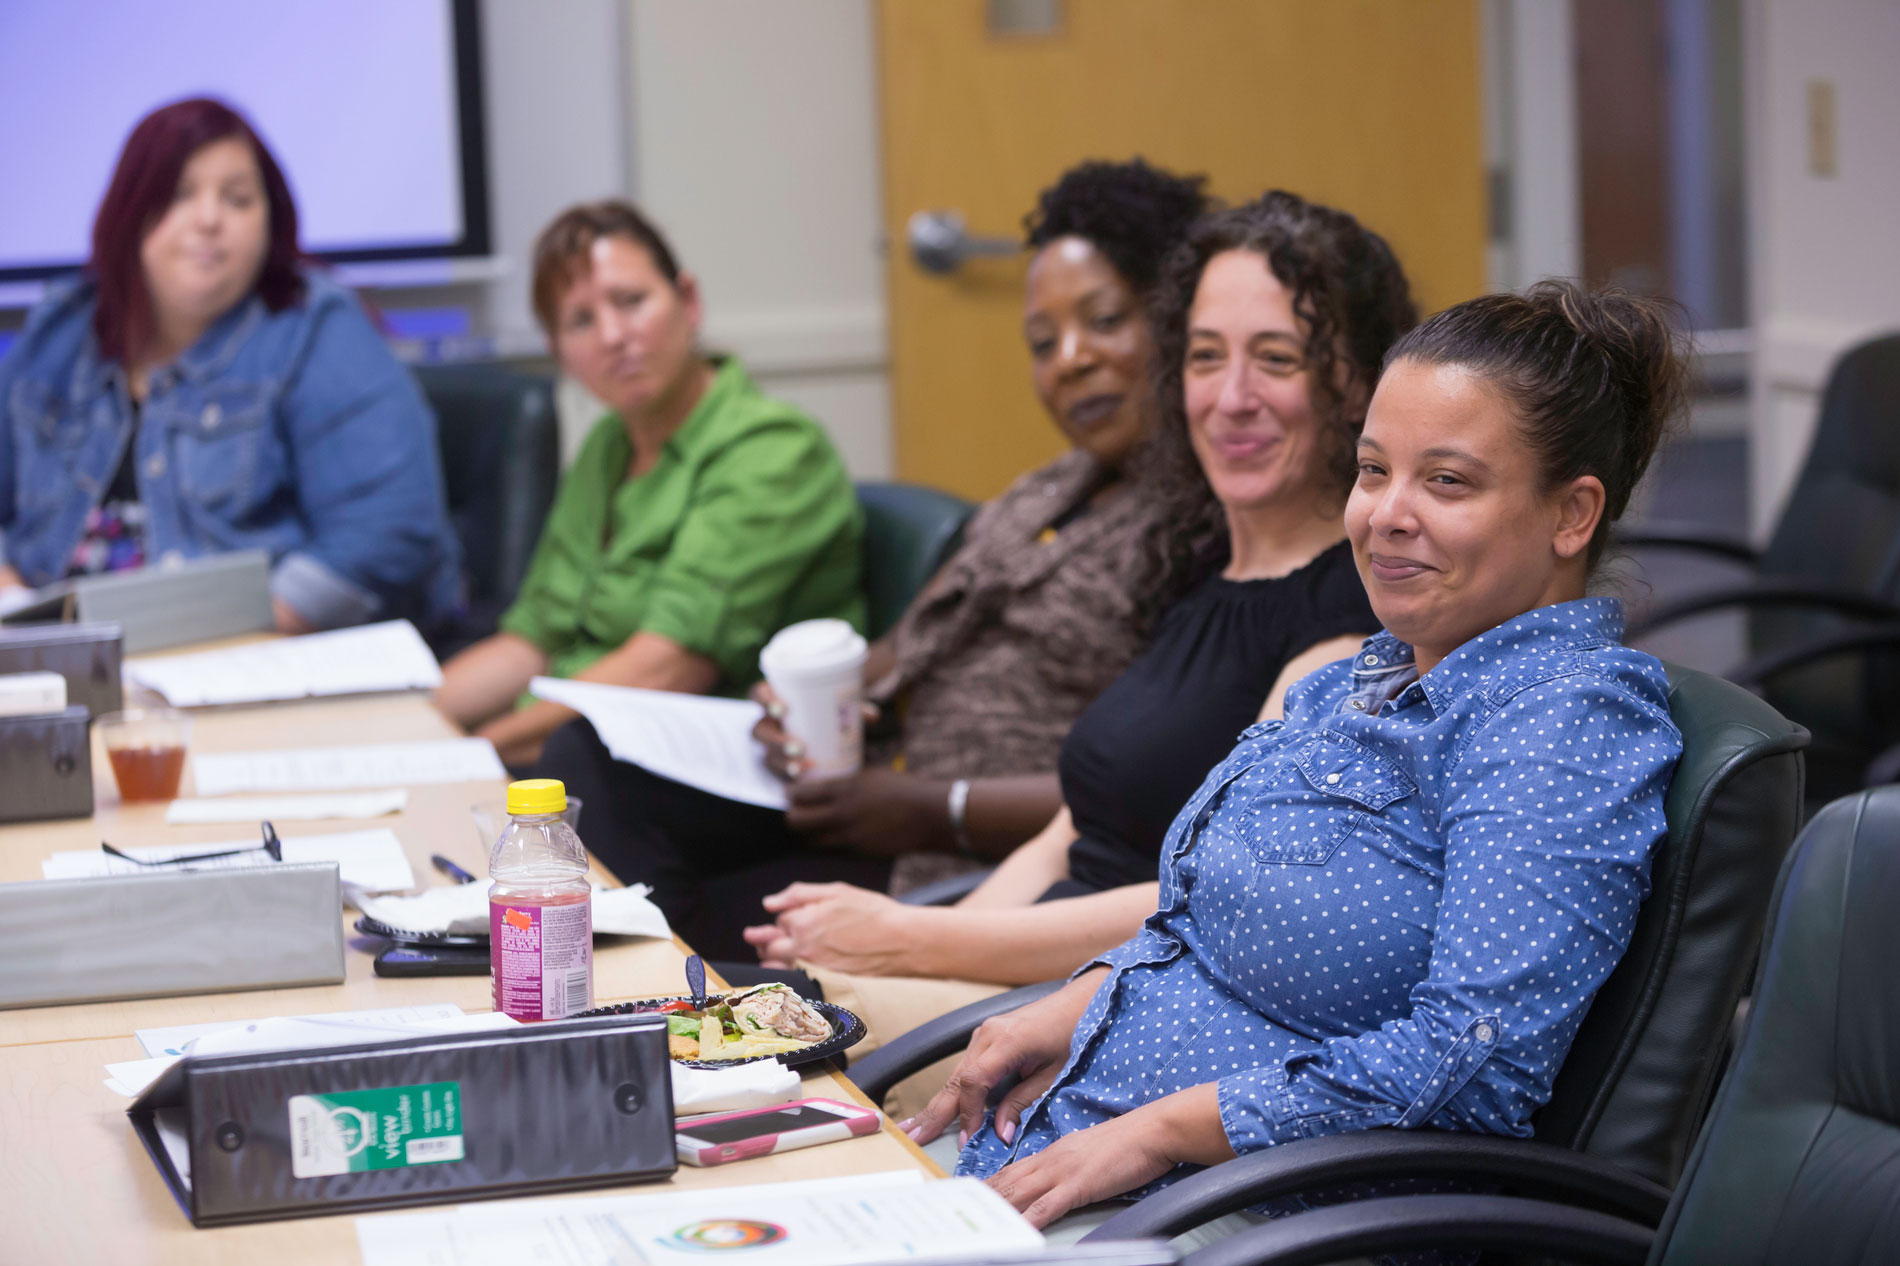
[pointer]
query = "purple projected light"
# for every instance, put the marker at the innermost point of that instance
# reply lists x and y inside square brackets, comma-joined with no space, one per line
[356,97]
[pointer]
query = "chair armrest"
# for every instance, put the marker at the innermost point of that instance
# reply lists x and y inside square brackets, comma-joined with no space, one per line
[1769,593]
[1519,1165]
[1364,1228]
[1684,536]
[1759,669]
[924,1045]
[1884,768]
[947,891]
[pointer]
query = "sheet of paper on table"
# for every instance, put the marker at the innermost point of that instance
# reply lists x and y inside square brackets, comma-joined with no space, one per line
[340,768]
[700,741]
[373,860]
[462,910]
[373,658]
[869,1218]
[362,804]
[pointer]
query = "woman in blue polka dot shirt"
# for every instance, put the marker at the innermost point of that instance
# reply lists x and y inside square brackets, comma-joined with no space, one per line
[1394,907]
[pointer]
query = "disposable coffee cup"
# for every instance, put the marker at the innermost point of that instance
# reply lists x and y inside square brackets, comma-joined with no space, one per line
[816,667]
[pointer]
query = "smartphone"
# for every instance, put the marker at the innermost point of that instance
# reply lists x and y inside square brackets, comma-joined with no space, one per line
[431,960]
[732,1136]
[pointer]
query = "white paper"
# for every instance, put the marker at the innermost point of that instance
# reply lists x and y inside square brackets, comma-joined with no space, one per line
[830,1222]
[375,657]
[695,739]
[176,1039]
[362,804]
[763,1083]
[338,768]
[290,1033]
[462,909]
[373,860]
[174,1132]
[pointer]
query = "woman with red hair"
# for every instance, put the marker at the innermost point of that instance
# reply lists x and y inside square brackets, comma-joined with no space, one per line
[197,390]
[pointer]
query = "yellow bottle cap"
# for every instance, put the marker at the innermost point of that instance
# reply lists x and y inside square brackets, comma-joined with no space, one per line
[537,795]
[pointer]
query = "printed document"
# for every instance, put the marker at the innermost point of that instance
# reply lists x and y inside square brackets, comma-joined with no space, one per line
[869,1218]
[338,768]
[373,860]
[362,804]
[700,741]
[375,657]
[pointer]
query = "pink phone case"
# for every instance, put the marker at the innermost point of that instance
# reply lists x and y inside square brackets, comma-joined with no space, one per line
[858,1121]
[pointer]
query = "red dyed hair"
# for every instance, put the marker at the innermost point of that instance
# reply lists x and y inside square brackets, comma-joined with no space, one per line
[142,188]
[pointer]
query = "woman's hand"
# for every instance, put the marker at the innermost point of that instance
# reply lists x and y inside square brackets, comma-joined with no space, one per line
[785,755]
[837,926]
[1116,1156]
[876,811]
[1030,1042]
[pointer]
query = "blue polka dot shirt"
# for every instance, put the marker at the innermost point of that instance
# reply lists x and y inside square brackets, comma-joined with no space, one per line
[1394,908]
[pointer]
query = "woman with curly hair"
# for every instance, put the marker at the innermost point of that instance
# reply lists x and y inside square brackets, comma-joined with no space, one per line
[1273,318]
[1051,595]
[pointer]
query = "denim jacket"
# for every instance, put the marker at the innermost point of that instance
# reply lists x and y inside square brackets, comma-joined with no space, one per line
[295,432]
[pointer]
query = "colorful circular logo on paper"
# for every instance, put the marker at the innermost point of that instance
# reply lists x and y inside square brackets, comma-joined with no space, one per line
[717,1235]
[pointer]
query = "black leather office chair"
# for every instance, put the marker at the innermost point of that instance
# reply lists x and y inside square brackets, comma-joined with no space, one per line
[1626,1105]
[501,460]
[1800,1158]
[909,531]
[1823,606]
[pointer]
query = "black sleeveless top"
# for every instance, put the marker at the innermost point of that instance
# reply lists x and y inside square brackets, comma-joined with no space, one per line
[1140,750]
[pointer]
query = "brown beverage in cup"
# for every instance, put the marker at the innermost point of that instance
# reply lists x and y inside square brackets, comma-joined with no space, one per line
[147,749]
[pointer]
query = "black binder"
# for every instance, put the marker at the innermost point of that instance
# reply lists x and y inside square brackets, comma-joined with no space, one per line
[466,1116]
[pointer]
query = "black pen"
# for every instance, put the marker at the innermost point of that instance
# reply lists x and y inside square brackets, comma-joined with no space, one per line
[450,869]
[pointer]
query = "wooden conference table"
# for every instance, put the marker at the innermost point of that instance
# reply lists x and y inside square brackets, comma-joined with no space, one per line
[75,1183]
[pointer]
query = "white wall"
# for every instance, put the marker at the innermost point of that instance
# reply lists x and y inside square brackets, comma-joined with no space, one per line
[557,134]
[747,129]
[754,143]
[1824,254]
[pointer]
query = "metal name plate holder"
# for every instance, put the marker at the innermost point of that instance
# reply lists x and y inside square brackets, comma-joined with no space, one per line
[220,595]
[532,1110]
[46,766]
[170,932]
[88,656]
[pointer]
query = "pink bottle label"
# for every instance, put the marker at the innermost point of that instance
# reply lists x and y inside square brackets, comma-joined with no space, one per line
[541,958]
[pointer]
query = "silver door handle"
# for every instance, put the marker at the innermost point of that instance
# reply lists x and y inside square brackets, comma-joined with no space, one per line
[940,243]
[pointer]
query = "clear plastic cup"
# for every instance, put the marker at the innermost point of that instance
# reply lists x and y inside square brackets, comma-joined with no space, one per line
[147,748]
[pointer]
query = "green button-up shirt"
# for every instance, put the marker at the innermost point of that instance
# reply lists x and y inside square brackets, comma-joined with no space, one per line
[746,524]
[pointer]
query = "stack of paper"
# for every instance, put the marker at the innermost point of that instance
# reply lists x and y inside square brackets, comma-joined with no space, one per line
[372,860]
[375,657]
[164,1047]
[693,739]
[338,768]
[827,1222]
[462,910]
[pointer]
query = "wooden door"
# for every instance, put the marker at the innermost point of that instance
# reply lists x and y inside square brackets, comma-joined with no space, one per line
[1370,105]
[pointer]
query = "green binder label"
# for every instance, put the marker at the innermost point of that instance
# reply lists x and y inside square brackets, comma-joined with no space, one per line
[375,1129]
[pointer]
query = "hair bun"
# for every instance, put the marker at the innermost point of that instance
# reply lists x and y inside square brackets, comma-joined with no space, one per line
[1598,377]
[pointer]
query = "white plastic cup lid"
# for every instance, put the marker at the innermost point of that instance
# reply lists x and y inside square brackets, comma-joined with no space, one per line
[811,647]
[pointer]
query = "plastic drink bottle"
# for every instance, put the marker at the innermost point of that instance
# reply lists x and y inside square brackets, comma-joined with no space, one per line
[540,911]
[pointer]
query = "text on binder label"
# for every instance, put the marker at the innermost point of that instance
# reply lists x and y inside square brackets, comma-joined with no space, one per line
[375,1129]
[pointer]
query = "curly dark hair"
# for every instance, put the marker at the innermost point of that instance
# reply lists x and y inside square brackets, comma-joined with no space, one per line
[1353,299]
[1131,212]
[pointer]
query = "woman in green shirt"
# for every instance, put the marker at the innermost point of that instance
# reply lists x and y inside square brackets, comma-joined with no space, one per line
[699,517]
